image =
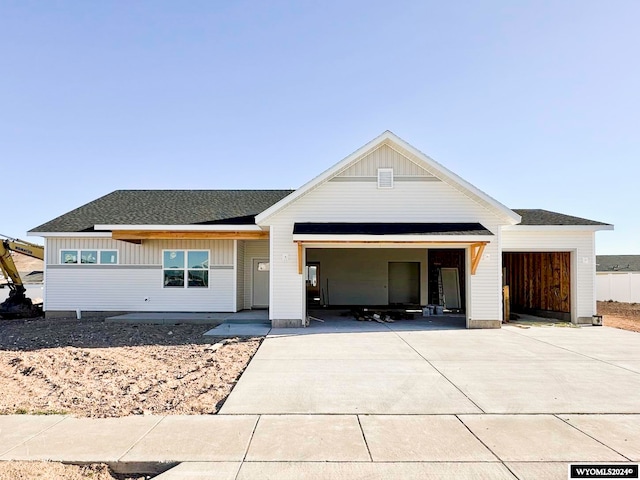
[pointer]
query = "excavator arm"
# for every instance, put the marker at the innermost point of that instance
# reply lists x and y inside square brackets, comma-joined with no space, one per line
[8,266]
[17,305]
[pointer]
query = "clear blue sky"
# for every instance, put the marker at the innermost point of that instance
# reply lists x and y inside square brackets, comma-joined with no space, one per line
[535,102]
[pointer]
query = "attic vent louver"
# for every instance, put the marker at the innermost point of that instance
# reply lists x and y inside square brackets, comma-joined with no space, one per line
[385,178]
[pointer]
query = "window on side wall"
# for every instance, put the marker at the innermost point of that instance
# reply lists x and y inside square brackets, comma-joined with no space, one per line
[185,268]
[89,257]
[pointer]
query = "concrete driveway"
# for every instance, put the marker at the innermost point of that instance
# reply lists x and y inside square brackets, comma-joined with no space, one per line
[410,400]
[421,367]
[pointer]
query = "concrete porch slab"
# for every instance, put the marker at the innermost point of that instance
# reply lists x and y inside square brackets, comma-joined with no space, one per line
[240,330]
[305,438]
[85,440]
[182,438]
[536,438]
[422,438]
[170,318]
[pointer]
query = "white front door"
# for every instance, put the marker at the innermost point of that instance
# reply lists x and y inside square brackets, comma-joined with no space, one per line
[260,285]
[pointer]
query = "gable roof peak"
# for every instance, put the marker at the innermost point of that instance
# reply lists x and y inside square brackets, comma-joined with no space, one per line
[389,138]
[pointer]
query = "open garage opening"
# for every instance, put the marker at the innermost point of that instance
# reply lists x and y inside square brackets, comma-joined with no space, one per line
[400,282]
[538,284]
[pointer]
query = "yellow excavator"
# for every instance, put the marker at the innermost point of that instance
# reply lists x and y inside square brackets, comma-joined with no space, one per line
[17,305]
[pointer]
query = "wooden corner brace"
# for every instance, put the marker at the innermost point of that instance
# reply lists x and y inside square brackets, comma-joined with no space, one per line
[476,255]
[299,258]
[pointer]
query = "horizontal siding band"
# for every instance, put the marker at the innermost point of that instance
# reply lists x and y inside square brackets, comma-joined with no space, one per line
[416,178]
[101,267]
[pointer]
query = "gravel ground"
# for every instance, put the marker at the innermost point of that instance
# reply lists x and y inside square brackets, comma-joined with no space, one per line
[89,368]
[58,471]
[620,315]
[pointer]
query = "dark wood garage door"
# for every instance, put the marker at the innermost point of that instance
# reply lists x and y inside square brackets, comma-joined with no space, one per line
[539,283]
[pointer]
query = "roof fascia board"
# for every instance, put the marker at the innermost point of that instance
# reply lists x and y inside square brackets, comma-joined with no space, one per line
[316,181]
[70,234]
[556,228]
[182,228]
[387,136]
[455,180]
[310,238]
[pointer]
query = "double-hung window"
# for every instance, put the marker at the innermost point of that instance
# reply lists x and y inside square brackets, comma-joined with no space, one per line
[185,268]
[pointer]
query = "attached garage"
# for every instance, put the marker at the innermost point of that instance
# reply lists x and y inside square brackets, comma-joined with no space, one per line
[539,283]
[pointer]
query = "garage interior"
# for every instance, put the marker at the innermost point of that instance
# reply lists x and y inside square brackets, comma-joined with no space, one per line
[385,278]
[538,283]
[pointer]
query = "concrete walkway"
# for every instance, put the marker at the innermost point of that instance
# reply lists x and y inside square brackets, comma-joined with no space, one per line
[356,446]
[352,400]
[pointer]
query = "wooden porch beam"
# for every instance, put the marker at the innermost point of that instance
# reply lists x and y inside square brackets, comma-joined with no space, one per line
[300,255]
[392,242]
[128,235]
[476,254]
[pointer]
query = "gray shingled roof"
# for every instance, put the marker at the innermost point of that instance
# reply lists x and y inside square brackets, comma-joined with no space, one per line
[618,263]
[167,207]
[546,217]
[201,207]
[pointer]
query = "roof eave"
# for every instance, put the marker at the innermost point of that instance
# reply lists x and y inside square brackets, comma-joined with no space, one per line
[181,228]
[33,233]
[583,228]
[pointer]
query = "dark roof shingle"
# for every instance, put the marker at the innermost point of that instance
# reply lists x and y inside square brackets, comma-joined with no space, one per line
[166,207]
[618,263]
[546,217]
[202,207]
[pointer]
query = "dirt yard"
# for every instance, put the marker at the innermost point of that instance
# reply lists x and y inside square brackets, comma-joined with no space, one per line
[620,315]
[58,471]
[89,368]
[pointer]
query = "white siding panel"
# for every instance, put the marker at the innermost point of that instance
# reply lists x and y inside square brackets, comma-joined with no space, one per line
[252,249]
[384,157]
[287,293]
[486,286]
[582,248]
[364,202]
[239,272]
[148,253]
[134,289]
[618,286]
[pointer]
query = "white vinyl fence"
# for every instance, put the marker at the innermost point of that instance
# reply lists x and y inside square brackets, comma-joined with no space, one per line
[618,286]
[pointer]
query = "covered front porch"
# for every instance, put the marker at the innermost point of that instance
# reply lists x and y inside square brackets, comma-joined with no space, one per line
[392,268]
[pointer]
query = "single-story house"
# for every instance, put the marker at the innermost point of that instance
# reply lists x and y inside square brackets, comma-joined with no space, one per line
[386,226]
[618,278]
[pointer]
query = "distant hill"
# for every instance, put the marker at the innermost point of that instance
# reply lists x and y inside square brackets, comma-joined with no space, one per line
[26,265]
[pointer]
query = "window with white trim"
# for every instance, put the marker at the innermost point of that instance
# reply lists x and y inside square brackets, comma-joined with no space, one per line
[185,268]
[89,257]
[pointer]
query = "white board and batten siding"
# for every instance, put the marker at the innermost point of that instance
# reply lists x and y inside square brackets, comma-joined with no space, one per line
[136,283]
[581,244]
[352,200]
[618,286]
